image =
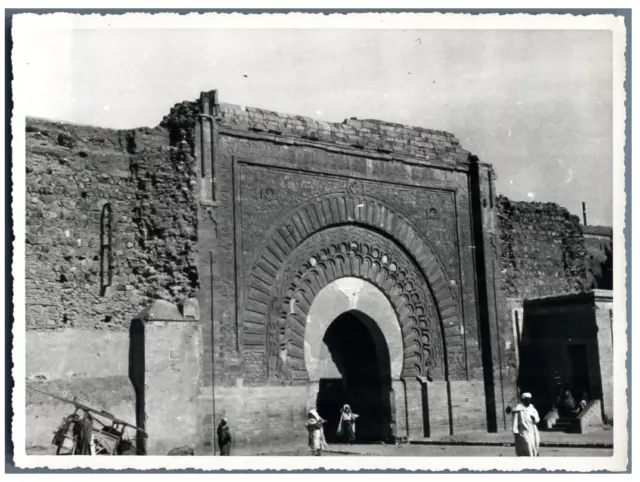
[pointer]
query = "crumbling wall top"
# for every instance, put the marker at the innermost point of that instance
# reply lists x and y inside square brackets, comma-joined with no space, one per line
[604,231]
[363,134]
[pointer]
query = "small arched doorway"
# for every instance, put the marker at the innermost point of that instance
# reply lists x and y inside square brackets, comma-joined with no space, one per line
[357,349]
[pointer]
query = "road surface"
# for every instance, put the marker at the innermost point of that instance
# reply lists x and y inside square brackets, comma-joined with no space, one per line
[418,451]
[453,451]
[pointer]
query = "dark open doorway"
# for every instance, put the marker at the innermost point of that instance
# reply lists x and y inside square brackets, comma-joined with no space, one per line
[578,370]
[359,351]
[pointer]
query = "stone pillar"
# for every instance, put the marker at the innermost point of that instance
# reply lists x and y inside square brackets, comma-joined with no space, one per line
[437,406]
[164,367]
[312,394]
[515,312]
[603,300]
[206,132]
[399,416]
[496,335]
[415,408]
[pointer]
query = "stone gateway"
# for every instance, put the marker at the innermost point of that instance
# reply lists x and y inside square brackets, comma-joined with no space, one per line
[352,263]
[254,265]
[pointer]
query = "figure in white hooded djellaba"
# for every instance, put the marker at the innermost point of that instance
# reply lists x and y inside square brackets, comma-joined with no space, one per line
[525,428]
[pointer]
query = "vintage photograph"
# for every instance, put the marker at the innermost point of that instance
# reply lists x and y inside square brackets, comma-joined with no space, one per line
[388,237]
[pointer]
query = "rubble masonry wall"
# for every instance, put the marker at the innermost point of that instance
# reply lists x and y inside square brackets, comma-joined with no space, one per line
[81,292]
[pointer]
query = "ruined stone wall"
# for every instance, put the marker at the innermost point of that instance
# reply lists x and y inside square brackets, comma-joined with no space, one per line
[598,242]
[546,252]
[74,278]
[543,249]
[72,172]
[374,136]
[110,225]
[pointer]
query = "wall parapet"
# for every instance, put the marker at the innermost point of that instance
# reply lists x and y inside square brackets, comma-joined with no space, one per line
[367,135]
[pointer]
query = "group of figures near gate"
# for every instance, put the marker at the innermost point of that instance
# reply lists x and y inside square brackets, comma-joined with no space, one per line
[315,425]
[525,427]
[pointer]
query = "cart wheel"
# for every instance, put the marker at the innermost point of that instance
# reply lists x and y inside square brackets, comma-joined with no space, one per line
[101,449]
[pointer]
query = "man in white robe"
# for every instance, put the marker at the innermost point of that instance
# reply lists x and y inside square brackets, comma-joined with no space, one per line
[525,429]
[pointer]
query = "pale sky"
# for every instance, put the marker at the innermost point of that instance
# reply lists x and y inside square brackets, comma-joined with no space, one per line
[535,104]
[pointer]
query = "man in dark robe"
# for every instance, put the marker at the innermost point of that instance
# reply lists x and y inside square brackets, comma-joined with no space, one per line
[567,405]
[224,437]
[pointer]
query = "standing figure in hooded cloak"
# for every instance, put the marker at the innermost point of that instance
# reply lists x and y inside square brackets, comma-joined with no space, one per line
[347,424]
[224,437]
[315,424]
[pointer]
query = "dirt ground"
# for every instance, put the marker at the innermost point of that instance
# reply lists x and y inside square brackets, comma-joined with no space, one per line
[419,451]
[451,451]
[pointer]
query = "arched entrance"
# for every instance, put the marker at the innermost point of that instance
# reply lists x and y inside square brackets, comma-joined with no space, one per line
[344,269]
[353,351]
[380,247]
[358,350]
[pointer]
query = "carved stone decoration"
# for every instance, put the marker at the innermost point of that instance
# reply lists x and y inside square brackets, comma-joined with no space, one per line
[456,360]
[353,252]
[268,194]
[282,283]
[422,340]
[459,369]
[290,185]
[354,188]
